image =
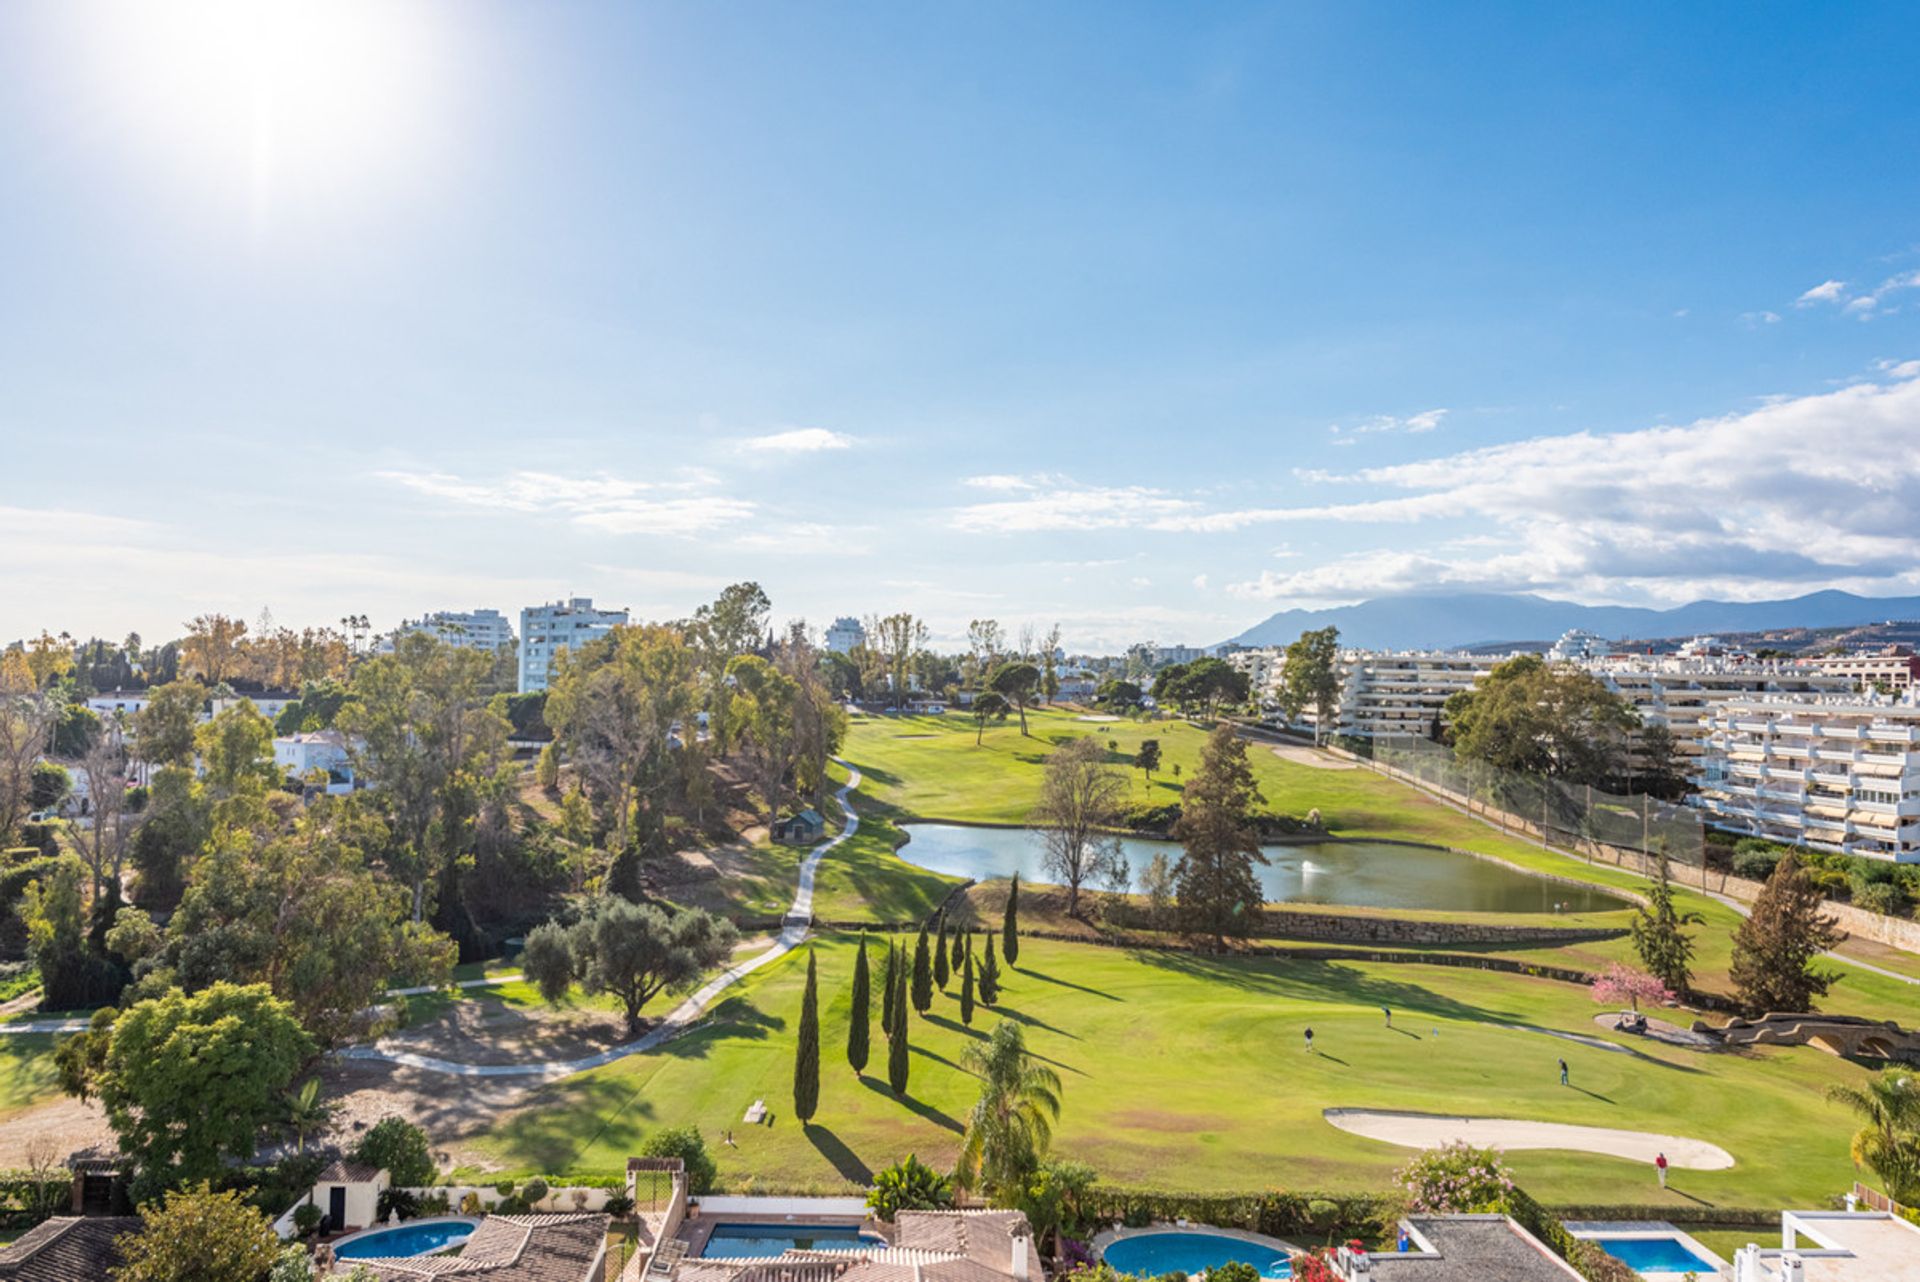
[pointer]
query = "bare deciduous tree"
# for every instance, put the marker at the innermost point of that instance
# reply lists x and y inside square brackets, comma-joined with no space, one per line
[26,727]
[1081,800]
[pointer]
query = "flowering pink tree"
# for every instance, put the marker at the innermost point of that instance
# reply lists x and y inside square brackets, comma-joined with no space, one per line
[1456,1178]
[1625,984]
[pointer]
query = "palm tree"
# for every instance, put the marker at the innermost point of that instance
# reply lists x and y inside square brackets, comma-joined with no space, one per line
[1889,1143]
[306,1111]
[1012,1124]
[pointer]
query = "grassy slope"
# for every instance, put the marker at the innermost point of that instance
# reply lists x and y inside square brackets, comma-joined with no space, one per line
[1188,1073]
[27,1075]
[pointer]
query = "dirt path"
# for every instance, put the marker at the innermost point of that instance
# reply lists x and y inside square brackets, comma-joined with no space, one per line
[1301,755]
[1432,1130]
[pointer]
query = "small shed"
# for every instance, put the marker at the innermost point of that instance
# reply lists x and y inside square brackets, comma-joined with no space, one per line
[803,829]
[348,1195]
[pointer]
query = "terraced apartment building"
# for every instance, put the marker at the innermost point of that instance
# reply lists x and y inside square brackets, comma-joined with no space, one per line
[1835,773]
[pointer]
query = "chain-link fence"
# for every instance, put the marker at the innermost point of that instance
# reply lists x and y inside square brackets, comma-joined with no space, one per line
[1628,831]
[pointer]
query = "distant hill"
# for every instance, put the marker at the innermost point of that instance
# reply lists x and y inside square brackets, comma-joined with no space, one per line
[1455,620]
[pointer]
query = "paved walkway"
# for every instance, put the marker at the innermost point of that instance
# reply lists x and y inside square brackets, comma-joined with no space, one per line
[799,918]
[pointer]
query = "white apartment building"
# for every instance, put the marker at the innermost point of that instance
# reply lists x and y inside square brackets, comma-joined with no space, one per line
[1577,644]
[1262,669]
[545,630]
[1679,694]
[325,752]
[1893,668]
[1840,774]
[486,630]
[1400,692]
[845,634]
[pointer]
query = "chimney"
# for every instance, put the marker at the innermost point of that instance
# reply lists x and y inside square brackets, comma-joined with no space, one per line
[1793,1268]
[1020,1247]
[1746,1264]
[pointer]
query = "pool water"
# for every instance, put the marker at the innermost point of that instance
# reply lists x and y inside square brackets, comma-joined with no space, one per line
[1151,1254]
[758,1241]
[423,1238]
[1357,874]
[1655,1255]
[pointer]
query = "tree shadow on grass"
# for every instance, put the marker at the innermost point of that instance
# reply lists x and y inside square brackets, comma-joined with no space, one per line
[940,1059]
[876,773]
[954,1026]
[1045,978]
[1320,982]
[736,1019]
[929,1112]
[1030,1021]
[843,1159]
[561,1122]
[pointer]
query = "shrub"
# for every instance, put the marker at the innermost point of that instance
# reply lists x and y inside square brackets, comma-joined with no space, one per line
[434,1204]
[908,1186]
[1233,1271]
[535,1192]
[306,1218]
[1830,882]
[470,1204]
[504,1188]
[685,1143]
[1455,1178]
[293,1264]
[397,1201]
[399,1148]
[1882,897]
[1755,865]
[619,1205]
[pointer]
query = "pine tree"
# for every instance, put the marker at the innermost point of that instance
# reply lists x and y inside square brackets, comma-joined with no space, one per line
[858,1024]
[941,970]
[1010,928]
[806,1056]
[1775,944]
[1219,895]
[922,974]
[897,1044]
[959,949]
[1665,949]
[887,976]
[966,989]
[989,975]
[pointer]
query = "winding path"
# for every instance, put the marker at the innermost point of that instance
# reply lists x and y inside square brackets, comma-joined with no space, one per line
[798,920]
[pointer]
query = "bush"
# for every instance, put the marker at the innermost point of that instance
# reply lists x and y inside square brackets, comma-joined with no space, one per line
[470,1204]
[306,1218]
[399,1148]
[1233,1271]
[504,1188]
[1882,897]
[397,1201]
[1455,1178]
[434,1204]
[1830,882]
[685,1143]
[1754,865]
[535,1192]
[619,1205]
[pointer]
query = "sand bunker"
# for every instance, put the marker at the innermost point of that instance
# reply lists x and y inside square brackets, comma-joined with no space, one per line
[1096,718]
[1301,755]
[1431,1130]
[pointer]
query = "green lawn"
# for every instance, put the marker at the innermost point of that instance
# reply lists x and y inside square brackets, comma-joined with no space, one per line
[27,1075]
[1185,1072]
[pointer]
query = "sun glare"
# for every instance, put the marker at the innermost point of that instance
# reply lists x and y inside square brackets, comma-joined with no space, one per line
[267,102]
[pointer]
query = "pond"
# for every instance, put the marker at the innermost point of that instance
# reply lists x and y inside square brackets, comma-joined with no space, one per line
[1354,874]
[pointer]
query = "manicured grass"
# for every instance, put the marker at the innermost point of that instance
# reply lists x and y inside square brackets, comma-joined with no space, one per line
[27,1074]
[1186,1072]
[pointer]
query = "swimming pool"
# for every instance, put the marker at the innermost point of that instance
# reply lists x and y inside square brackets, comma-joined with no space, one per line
[1151,1254]
[760,1241]
[421,1237]
[1656,1255]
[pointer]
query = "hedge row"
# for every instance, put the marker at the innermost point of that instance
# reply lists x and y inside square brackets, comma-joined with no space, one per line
[1276,1213]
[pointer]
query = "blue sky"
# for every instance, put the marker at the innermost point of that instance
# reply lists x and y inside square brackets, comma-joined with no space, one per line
[1144,319]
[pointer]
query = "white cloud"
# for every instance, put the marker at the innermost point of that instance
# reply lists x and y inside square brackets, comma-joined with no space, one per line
[1003,481]
[1057,504]
[1413,424]
[1827,291]
[1813,489]
[798,440]
[1200,582]
[611,504]
[1756,319]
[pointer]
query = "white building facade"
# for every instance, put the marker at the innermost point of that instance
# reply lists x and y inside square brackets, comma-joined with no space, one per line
[487,630]
[1839,774]
[845,634]
[545,630]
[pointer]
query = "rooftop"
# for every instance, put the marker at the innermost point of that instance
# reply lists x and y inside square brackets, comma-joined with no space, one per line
[1468,1248]
[66,1249]
[507,1248]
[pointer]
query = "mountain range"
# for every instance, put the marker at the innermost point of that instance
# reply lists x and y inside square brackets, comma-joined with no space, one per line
[1467,619]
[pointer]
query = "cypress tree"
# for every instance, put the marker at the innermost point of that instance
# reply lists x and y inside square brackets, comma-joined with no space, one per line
[806,1056]
[887,969]
[966,989]
[897,1044]
[941,970]
[1665,949]
[1010,928]
[989,976]
[858,1026]
[958,949]
[922,975]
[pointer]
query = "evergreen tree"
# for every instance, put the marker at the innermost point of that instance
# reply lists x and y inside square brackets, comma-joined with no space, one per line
[989,975]
[858,1027]
[1665,949]
[959,950]
[1010,928]
[941,970]
[897,1044]
[1775,944]
[1219,894]
[966,989]
[888,971]
[806,1056]
[922,974]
